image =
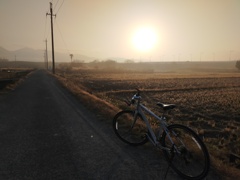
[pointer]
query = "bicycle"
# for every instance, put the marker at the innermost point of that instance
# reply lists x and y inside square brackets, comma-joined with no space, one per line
[185,152]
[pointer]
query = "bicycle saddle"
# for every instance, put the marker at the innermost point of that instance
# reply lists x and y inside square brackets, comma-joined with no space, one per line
[166,106]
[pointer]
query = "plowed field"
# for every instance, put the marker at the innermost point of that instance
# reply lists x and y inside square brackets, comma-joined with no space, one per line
[208,103]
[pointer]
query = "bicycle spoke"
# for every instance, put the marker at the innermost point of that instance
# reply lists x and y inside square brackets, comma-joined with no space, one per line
[130,129]
[190,158]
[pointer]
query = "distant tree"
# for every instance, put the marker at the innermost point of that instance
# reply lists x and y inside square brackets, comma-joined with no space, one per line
[71,56]
[94,64]
[109,64]
[109,61]
[77,63]
[95,61]
[238,64]
[129,61]
[3,60]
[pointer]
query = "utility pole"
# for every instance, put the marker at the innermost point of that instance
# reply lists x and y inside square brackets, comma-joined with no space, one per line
[51,15]
[15,60]
[46,55]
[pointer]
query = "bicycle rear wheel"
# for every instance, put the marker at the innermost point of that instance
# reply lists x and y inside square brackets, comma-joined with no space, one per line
[129,128]
[191,159]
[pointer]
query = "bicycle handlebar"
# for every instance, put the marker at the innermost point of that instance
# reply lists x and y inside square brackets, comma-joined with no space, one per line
[138,92]
[135,97]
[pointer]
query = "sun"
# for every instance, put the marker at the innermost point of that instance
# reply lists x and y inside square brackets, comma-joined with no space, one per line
[144,39]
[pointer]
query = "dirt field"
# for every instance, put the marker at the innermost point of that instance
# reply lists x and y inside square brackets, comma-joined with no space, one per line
[9,76]
[207,102]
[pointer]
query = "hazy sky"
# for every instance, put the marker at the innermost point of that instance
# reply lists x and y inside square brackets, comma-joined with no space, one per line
[182,29]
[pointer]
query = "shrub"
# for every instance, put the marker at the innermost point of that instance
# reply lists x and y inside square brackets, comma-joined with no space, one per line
[238,64]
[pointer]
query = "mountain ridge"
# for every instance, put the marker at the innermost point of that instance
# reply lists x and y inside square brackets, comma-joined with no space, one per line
[30,54]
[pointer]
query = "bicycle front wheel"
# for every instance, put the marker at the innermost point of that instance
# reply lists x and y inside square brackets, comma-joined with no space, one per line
[187,155]
[130,128]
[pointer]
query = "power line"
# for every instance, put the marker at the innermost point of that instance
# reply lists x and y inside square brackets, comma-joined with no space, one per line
[51,14]
[60,6]
[46,30]
[55,5]
[46,35]
[62,38]
[46,55]
[45,27]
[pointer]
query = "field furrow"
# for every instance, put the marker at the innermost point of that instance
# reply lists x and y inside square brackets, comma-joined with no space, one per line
[208,104]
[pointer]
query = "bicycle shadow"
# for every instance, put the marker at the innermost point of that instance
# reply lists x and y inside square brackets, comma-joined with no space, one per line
[147,162]
[143,162]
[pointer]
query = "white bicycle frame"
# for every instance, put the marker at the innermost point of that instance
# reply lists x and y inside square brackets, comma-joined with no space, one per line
[152,136]
[170,132]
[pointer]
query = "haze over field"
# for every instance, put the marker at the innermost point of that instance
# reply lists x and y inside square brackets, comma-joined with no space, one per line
[141,30]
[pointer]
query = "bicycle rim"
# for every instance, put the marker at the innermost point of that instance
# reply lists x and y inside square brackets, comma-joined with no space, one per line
[191,159]
[129,129]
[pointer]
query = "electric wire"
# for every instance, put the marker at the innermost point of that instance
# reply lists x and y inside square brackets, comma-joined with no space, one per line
[66,47]
[46,30]
[55,5]
[60,7]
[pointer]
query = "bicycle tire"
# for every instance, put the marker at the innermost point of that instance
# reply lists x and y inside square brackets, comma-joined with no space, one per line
[134,135]
[193,160]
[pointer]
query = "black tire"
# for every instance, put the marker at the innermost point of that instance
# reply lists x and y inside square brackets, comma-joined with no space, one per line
[193,160]
[128,131]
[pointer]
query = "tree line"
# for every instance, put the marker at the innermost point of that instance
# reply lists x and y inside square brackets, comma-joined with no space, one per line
[238,64]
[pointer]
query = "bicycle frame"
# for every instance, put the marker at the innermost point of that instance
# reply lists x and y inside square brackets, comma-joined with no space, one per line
[179,143]
[152,136]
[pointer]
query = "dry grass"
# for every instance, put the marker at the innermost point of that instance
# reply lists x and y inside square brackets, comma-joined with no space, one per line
[94,103]
[208,103]
[10,78]
[6,73]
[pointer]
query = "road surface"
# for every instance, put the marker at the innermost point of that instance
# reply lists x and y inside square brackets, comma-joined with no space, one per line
[46,133]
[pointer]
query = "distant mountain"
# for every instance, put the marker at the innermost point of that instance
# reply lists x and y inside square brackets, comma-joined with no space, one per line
[29,54]
[4,54]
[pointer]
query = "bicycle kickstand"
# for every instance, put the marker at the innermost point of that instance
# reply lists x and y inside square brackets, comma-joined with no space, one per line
[170,160]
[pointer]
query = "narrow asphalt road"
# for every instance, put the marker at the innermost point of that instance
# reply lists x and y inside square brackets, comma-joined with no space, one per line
[45,133]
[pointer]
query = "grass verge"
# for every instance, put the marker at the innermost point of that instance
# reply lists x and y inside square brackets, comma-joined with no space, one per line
[17,76]
[104,109]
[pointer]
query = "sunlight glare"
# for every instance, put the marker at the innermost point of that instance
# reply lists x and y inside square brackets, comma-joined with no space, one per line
[144,39]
